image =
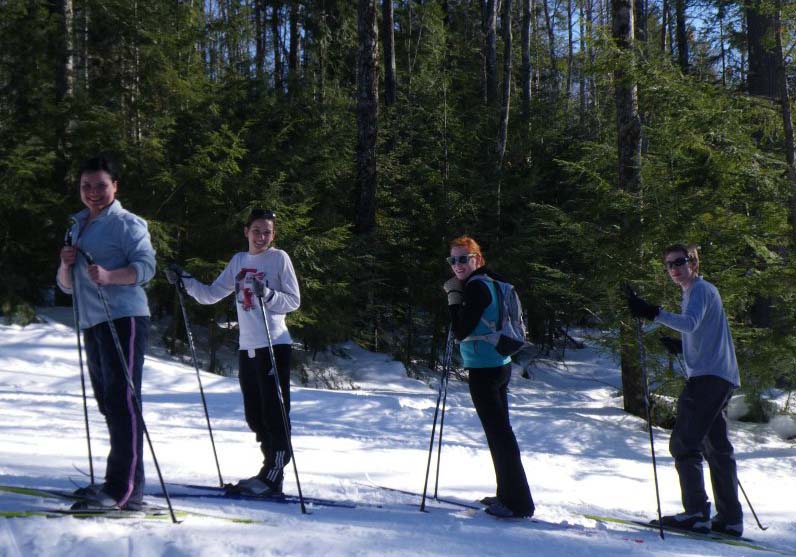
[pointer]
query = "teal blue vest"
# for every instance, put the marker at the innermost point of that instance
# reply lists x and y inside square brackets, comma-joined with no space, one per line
[479,353]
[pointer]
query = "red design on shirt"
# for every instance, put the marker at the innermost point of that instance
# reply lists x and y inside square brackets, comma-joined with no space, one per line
[243,287]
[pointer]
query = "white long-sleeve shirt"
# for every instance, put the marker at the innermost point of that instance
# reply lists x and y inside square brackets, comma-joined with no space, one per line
[275,269]
[707,343]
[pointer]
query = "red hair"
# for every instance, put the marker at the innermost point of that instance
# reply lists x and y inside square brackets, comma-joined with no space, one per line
[471,245]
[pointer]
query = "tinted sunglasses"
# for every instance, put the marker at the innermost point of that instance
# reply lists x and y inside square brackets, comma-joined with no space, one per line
[257,214]
[459,259]
[679,262]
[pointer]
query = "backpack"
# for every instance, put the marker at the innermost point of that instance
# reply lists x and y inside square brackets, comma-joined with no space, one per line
[508,332]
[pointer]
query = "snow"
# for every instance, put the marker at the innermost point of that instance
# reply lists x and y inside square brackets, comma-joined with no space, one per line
[581,452]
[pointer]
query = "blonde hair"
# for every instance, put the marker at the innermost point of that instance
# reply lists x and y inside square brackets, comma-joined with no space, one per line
[471,245]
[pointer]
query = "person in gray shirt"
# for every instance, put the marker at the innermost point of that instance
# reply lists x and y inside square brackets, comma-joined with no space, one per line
[711,369]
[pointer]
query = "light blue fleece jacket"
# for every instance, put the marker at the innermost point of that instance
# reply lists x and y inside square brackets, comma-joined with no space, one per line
[707,343]
[115,239]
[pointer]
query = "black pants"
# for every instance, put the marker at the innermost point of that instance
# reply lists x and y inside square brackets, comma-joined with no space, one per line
[124,472]
[488,389]
[701,431]
[262,407]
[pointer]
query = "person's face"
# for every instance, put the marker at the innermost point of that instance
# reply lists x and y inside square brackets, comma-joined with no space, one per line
[681,271]
[260,234]
[97,190]
[465,262]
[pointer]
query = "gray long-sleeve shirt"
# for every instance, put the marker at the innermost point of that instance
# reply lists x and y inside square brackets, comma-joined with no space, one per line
[115,238]
[707,342]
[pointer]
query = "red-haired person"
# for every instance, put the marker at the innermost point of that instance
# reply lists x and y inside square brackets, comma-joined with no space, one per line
[700,429]
[473,301]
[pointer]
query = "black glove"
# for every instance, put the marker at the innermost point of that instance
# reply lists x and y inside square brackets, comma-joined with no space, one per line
[638,306]
[174,274]
[672,345]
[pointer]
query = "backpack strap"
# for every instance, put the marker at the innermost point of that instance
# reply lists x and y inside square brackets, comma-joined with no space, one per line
[494,326]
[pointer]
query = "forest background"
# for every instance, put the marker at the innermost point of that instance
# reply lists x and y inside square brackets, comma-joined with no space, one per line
[575,139]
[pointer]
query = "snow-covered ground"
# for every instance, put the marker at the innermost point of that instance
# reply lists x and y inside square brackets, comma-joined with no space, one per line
[582,455]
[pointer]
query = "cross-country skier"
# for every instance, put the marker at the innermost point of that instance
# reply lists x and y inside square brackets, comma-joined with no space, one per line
[471,302]
[123,261]
[271,269]
[700,429]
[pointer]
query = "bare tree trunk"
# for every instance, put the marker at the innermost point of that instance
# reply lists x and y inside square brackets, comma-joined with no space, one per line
[525,70]
[682,35]
[500,147]
[295,40]
[388,40]
[763,62]
[64,87]
[490,51]
[277,42]
[723,48]
[367,115]
[570,49]
[787,120]
[629,144]
[664,24]
[259,40]
[551,40]
[641,20]
[581,68]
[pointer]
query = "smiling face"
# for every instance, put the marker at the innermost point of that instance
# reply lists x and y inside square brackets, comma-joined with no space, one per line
[461,268]
[681,269]
[260,233]
[97,190]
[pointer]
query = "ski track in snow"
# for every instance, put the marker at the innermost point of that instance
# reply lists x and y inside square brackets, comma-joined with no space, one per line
[581,452]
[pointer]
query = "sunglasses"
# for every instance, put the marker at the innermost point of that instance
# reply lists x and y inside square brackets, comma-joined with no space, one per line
[258,214]
[459,259]
[679,262]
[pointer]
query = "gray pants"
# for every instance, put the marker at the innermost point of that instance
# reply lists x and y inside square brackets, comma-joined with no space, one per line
[701,431]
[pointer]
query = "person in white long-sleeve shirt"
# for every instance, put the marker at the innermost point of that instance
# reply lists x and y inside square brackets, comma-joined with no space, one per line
[701,426]
[262,266]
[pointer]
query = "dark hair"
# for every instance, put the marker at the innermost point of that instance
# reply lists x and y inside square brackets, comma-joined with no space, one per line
[691,251]
[257,214]
[100,162]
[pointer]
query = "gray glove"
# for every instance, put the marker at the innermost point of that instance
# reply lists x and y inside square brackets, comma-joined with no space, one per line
[261,290]
[174,274]
[454,288]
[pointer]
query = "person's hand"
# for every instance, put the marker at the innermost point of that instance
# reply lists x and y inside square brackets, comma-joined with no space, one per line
[672,345]
[174,273]
[68,256]
[261,290]
[454,288]
[639,307]
[99,274]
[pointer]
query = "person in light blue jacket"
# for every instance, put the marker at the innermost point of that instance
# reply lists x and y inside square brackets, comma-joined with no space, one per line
[473,301]
[701,427]
[110,248]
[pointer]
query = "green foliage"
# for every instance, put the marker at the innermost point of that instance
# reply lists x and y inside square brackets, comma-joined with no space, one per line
[172,89]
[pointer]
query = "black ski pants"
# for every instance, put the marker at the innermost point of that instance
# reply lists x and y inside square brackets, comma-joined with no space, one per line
[124,472]
[700,430]
[262,407]
[489,391]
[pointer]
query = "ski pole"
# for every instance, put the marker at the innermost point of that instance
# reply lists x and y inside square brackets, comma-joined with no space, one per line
[118,345]
[446,365]
[76,317]
[442,385]
[259,292]
[751,508]
[645,384]
[180,287]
